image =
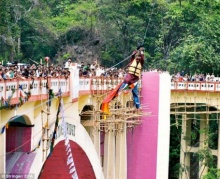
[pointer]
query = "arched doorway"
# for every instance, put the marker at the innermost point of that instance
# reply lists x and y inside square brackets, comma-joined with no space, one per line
[18,145]
[18,134]
[87,119]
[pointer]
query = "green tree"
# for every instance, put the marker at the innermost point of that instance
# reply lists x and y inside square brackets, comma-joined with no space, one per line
[11,14]
[190,41]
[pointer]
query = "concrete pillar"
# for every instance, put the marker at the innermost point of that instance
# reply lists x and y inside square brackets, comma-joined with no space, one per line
[203,143]
[96,129]
[96,140]
[121,152]
[109,153]
[185,141]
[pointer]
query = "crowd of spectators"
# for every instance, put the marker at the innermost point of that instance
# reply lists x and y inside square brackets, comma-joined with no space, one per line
[87,70]
[96,70]
[24,71]
[181,77]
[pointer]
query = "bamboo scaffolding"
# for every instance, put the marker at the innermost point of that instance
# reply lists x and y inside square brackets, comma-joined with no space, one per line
[130,116]
[193,108]
[114,121]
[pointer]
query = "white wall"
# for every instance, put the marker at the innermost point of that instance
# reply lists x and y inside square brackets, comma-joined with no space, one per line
[163,127]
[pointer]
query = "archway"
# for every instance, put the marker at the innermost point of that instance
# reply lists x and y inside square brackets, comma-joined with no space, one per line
[18,145]
[55,167]
[18,134]
[87,119]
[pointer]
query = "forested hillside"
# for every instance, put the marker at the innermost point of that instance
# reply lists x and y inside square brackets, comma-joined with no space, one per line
[177,34]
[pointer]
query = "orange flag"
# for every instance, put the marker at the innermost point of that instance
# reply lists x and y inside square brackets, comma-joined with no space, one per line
[108,98]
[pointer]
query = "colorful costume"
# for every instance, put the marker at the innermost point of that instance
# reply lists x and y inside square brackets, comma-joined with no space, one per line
[130,80]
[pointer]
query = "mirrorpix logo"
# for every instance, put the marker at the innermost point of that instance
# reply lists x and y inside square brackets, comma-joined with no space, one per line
[17,176]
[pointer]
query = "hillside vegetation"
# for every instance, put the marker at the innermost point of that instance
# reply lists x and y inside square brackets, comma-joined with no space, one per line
[177,34]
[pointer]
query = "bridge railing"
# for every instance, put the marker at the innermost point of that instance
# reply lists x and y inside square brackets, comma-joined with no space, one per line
[196,86]
[97,85]
[37,87]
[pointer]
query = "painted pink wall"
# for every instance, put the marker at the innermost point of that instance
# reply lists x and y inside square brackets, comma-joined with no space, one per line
[16,139]
[142,141]
[18,143]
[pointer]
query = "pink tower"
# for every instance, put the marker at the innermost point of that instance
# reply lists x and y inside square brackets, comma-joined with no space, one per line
[148,143]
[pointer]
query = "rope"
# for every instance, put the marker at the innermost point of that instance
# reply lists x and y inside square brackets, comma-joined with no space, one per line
[145,35]
[121,61]
[55,127]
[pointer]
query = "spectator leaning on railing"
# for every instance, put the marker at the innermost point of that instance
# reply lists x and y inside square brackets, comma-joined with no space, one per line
[32,71]
[195,78]
[85,70]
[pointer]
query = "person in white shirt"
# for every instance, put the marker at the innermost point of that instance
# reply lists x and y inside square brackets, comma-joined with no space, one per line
[207,77]
[93,66]
[121,73]
[212,77]
[68,63]
[100,70]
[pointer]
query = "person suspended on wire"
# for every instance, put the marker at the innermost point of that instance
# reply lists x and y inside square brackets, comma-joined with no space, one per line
[133,74]
[130,81]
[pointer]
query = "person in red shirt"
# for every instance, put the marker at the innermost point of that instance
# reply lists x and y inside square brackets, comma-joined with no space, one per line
[130,81]
[133,75]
